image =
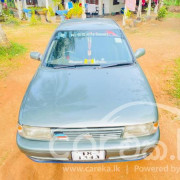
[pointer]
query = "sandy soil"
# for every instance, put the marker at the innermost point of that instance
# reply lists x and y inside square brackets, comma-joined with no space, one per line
[162,42]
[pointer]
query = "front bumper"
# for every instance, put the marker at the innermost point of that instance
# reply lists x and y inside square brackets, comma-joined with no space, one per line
[115,149]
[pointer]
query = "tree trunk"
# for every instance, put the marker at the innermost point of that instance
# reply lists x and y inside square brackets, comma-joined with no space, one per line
[47,4]
[156,8]
[3,39]
[124,16]
[139,10]
[19,9]
[1,8]
[161,4]
[149,8]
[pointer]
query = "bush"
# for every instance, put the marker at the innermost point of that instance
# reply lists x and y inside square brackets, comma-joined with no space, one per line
[69,14]
[51,12]
[12,20]
[8,12]
[8,17]
[45,10]
[128,13]
[76,11]
[162,12]
[34,20]
[61,7]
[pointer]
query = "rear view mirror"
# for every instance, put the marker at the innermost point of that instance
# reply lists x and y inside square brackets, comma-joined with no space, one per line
[36,55]
[139,52]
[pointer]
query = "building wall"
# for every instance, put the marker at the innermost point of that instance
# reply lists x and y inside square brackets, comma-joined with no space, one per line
[42,3]
[106,6]
[115,8]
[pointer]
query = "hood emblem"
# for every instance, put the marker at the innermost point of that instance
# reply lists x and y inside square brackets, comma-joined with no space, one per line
[60,135]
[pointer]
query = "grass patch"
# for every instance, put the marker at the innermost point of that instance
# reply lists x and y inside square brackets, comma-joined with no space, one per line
[172,2]
[7,56]
[7,53]
[173,15]
[176,81]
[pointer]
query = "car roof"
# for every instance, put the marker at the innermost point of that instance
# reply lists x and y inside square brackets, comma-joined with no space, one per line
[88,24]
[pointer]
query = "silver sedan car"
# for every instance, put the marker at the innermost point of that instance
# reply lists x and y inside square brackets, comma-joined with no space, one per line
[89,100]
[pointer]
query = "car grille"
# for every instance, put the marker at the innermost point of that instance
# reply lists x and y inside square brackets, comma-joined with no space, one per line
[88,133]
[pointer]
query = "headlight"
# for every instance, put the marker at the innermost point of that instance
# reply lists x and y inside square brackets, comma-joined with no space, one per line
[36,133]
[140,130]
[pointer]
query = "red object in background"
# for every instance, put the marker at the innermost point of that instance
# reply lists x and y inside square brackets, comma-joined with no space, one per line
[5,5]
[80,4]
[156,1]
[143,2]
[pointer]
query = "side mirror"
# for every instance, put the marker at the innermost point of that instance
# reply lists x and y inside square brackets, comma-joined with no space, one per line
[36,55]
[140,52]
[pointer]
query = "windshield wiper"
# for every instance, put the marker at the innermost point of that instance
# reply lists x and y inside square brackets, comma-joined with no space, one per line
[114,65]
[55,66]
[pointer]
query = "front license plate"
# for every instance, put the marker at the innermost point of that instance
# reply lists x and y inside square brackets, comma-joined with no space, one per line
[88,155]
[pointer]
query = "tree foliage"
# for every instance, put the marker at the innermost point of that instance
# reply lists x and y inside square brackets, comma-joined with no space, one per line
[162,12]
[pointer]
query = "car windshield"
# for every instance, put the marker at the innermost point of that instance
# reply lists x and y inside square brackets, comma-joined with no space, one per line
[88,48]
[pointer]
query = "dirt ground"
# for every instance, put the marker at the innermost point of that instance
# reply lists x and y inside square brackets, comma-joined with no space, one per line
[162,43]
